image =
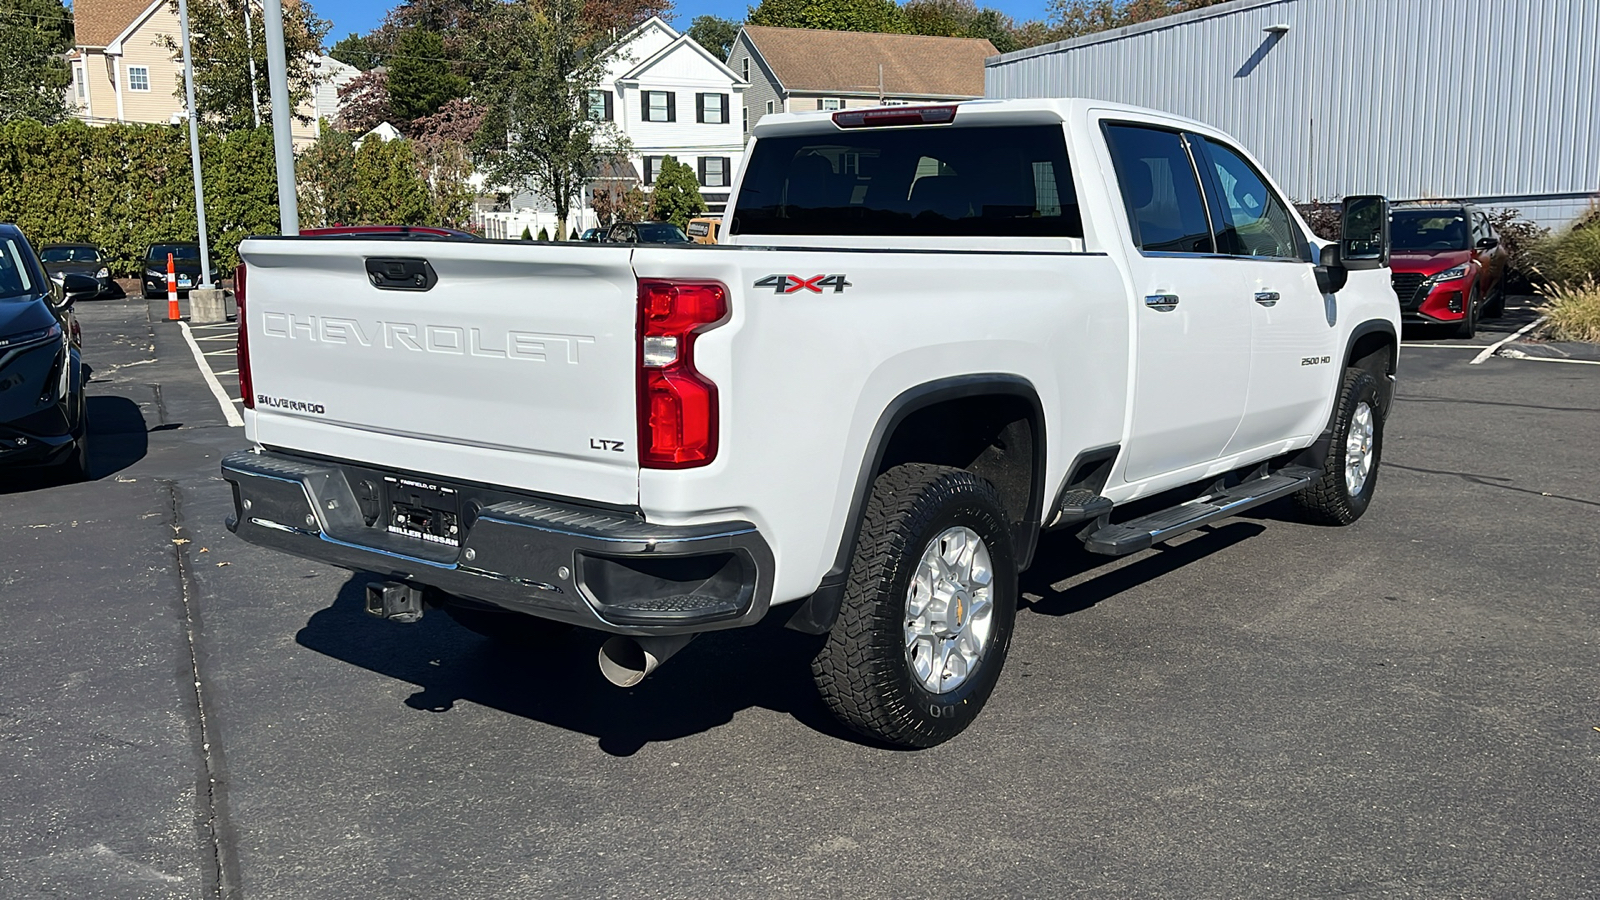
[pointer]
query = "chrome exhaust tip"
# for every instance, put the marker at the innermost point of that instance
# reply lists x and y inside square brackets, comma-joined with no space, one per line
[625,661]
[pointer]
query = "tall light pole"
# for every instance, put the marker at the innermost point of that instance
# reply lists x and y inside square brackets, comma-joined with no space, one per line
[250,48]
[194,147]
[282,117]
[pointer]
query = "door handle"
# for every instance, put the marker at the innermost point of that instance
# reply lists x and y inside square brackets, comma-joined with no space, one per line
[1162,302]
[1267,298]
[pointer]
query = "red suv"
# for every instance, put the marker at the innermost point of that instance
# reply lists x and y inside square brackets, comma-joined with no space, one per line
[1447,265]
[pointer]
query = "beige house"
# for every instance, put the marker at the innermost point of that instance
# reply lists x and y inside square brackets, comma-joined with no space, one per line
[122,70]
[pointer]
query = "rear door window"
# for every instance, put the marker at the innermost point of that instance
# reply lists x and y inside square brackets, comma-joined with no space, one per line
[1159,190]
[926,181]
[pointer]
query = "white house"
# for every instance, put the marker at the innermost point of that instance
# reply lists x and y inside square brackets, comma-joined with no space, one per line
[672,97]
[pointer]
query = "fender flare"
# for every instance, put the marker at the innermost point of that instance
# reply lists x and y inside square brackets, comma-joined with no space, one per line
[817,612]
[1316,455]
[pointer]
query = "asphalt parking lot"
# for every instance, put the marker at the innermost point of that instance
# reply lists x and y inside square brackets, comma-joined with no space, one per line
[1408,707]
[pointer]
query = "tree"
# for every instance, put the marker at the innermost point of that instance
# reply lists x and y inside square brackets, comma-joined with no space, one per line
[617,200]
[714,34]
[358,50]
[548,55]
[676,197]
[544,234]
[834,15]
[526,235]
[420,80]
[34,79]
[222,51]
[1075,18]
[364,103]
[381,182]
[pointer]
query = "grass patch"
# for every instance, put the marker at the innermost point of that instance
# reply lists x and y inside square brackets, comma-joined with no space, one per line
[1574,310]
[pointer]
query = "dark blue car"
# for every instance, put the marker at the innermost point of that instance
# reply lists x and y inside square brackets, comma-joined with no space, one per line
[43,415]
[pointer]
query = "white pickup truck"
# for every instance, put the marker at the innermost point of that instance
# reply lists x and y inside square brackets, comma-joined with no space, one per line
[929,333]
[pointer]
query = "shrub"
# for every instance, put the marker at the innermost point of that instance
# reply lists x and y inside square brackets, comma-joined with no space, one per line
[544,235]
[1574,310]
[1519,236]
[676,197]
[526,234]
[1571,255]
[1323,217]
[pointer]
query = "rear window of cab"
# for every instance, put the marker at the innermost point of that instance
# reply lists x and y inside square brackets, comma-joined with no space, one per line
[919,181]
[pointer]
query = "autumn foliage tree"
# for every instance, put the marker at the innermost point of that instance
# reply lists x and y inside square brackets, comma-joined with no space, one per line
[222,54]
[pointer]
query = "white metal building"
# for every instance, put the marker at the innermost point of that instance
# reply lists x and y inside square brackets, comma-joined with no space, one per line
[1492,101]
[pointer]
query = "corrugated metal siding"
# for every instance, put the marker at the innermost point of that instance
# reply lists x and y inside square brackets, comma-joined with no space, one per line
[1410,98]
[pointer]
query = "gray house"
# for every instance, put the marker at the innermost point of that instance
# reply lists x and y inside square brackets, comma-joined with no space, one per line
[792,69]
[1496,102]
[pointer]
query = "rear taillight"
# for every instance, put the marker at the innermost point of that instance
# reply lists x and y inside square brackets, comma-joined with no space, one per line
[677,405]
[900,115]
[243,353]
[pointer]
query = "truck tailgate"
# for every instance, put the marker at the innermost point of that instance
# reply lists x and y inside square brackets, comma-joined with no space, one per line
[515,368]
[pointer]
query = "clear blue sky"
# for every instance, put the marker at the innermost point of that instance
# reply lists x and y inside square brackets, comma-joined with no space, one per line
[363,15]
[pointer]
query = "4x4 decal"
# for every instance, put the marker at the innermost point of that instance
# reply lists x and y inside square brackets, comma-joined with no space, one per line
[791,284]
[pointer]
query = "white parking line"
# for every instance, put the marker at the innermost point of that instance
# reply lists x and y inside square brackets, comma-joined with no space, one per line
[223,400]
[1444,346]
[1518,354]
[1489,350]
[220,352]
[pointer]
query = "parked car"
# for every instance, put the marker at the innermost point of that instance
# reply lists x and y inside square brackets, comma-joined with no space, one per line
[84,259]
[645,233]
[703,229]
[43,414]
[1069,308]
[592,235]
[1446,265]
[186,264]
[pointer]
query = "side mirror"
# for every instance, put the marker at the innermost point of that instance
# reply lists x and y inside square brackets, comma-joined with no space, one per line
[1488,243]
[1364,232]
[75,287]
[1331,271]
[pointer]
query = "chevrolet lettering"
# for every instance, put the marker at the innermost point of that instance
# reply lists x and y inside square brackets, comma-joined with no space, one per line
[874,473]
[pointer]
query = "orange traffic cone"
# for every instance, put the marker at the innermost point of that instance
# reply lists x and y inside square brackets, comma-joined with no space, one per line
[173,314]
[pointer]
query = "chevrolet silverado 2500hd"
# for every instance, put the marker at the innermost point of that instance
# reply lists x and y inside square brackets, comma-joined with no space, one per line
[928,333]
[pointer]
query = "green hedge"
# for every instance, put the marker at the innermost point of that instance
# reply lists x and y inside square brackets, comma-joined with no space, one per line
[124,187]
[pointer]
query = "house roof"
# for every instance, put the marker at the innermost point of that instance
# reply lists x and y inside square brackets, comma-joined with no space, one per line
[694,47]
[98,22]
[807,59]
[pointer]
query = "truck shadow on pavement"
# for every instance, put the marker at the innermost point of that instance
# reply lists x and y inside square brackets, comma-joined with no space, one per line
[1065,578]
[701,688]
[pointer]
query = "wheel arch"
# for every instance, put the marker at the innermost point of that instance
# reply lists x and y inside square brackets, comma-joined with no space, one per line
[1374,346]
[1006,445]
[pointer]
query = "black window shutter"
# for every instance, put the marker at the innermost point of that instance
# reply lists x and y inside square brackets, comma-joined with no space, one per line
[607,96]
[649,170]
[700,108]
[724,108]
[819,103]
[701,165]
[672,107]
[727,172]
[644,106]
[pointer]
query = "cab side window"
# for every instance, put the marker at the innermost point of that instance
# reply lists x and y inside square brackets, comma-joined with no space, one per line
[1159,190]
[1251,220]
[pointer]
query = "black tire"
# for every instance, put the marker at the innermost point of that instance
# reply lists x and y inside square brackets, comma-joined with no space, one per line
[1496,307]
[862,671]
[1467,328]
[1328,500]
[511,629]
